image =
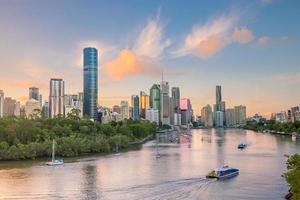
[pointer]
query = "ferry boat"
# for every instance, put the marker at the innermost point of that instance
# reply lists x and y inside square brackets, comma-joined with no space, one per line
[242,146]
[223,173]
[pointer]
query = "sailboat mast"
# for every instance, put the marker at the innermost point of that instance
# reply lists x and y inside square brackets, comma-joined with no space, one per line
[53,151]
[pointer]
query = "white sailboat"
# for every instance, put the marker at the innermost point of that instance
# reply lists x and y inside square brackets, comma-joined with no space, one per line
[117,150]
[54,162]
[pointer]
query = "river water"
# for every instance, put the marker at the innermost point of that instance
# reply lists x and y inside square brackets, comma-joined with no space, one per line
[178,174]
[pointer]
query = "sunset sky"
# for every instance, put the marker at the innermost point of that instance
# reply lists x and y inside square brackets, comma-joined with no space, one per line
[250,47]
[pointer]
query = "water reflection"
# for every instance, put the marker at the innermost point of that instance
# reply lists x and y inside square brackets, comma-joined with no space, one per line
[178,174]
[89,187]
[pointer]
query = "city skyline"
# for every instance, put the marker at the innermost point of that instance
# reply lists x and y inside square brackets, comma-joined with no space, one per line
[256,67]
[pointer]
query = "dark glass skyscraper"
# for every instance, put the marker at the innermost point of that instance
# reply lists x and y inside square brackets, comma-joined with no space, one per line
[90,82]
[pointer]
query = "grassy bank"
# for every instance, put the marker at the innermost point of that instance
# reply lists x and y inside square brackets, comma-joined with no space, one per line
[32,138]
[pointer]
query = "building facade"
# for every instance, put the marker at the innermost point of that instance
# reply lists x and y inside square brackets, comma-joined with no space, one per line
[165,100]
[152,115]
[155,101]
[56,98]
[124,110]
[90,82]
[135,104]
[207,117]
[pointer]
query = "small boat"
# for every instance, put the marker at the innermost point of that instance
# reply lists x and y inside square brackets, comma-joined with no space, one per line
[223,173]
[117,150]
[54,162]
[242,146]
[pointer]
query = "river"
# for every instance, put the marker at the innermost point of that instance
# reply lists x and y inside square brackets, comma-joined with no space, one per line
[178,174]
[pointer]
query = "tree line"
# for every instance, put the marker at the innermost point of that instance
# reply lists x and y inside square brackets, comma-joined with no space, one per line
[32,138]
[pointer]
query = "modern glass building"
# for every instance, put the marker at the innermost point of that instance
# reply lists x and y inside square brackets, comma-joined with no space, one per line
[155,101]
[56,98]
[135,107]
[34,93]
[90,82]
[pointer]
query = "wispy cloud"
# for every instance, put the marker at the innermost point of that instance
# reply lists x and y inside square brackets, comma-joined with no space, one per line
[151,41]
[262,41]
[207,39]
[143,58]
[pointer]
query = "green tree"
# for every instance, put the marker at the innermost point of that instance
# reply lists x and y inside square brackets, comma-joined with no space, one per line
[293,175]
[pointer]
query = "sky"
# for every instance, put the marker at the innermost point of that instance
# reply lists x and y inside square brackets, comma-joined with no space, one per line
[250,47]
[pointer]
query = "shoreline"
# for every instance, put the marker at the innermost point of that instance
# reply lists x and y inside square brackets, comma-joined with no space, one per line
[131,146]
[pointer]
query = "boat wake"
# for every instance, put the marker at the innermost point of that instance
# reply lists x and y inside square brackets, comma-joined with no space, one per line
[178,189]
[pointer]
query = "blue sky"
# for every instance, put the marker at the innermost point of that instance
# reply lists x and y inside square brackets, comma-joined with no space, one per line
[250,47]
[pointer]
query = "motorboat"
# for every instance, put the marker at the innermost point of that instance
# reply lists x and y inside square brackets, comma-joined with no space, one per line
[223,173]
[242,146]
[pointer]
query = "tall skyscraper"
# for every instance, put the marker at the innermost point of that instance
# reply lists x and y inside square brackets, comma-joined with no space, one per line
[1,102]
[135,107]
[10,107]
[56,98]
[240,115]
[124,107]
[219,108]
[229,115]
[30,107]
[144,104]
[206,116]
[165,100]
[155,101]
[34,93]
[90,82]
[176,97]
[45,109]
[186,111]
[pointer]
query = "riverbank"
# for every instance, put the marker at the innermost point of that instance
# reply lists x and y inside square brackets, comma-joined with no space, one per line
[22,139]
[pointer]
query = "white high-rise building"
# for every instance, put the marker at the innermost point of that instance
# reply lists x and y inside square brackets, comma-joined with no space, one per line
[56,98]
[207,116]
[240,115]
[229,116]
[124,107]
[152,115]
[1,103]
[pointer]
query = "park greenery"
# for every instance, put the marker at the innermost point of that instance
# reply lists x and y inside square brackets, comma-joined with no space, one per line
[292,176]
[272,125]
[31,138]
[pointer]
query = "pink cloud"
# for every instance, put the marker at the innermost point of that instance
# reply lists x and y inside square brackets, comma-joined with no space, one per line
[242,35]
[128,64]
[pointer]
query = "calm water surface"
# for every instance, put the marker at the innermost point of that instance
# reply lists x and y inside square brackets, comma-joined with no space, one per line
[178,174]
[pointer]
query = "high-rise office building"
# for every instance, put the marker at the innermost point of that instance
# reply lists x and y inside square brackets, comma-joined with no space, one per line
[155,101]
[186,111]
[219,107]
[206,116]
[56,98]
[90,82]
[45,109]
[176,97]
[144,104]
[1,102]
[10,107]
[34,93]
[240,115]
[152,115]
[135,107]
[165,100]
[229,117]
[124,110]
